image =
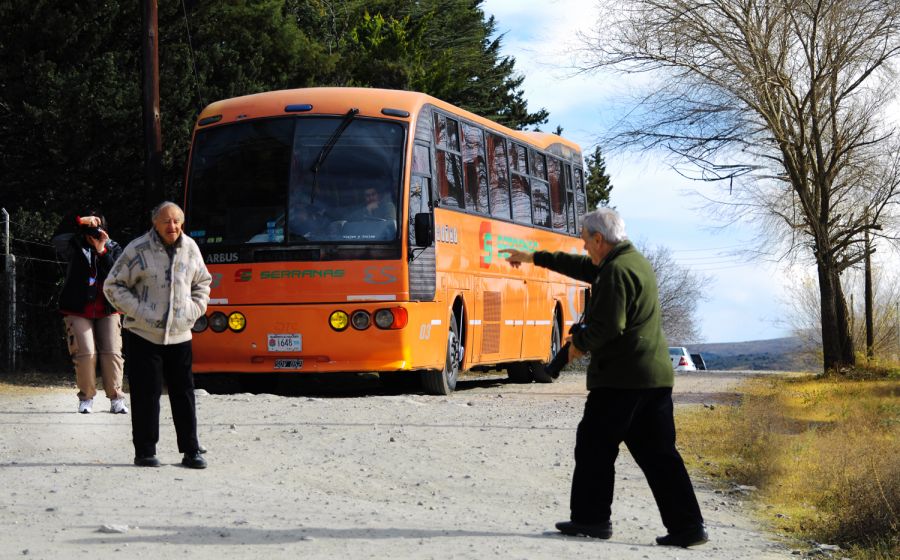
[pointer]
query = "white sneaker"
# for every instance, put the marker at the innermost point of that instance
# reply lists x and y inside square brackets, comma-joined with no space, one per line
[118,406]
[84,407]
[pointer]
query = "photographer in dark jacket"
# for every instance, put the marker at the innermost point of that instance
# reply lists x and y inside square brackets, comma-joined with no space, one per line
[629,380]
[93,327]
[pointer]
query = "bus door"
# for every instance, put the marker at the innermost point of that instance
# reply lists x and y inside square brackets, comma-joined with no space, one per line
[538,315]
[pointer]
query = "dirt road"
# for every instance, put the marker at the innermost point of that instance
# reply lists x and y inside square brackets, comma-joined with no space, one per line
[365,474]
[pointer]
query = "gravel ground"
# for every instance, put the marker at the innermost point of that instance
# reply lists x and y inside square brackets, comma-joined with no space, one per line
[346,472]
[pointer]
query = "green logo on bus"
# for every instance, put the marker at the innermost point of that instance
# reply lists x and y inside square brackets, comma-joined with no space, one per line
[300,274]
[493,244]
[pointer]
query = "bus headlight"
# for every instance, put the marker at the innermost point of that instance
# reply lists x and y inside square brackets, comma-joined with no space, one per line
[218,322]
[338,320]
[360,320]
[200,324]
[237,322]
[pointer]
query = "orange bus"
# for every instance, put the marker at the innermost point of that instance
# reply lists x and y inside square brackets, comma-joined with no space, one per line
[362,230]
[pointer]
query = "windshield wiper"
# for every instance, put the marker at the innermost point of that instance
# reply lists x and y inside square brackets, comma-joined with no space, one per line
[326,149]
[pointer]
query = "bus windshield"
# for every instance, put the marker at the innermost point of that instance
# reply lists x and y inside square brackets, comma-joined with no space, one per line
[266,182]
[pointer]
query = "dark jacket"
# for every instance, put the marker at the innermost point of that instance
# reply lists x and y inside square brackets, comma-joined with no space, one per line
[624,329]
[77,292]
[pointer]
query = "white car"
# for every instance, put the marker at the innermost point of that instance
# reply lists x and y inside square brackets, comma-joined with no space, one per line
[681,359]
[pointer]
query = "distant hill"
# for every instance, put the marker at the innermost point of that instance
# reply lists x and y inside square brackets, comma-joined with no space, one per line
[780,354]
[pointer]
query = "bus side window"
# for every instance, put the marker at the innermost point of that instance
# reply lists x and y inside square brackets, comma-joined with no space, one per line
[538,164]
[520,183]
[499,177]
[420,183]
[448,161]
[580,199]
[540,198]
[570,198]
[418,195]
[475,169]
[449,175]
[557,195]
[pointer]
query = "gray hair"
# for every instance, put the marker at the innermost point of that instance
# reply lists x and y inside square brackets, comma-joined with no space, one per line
[162,206]
[607,222]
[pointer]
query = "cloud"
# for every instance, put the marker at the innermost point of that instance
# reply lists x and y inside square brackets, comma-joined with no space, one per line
[659,206]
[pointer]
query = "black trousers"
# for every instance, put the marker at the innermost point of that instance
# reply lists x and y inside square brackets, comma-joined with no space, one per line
[643,419]
[147,366]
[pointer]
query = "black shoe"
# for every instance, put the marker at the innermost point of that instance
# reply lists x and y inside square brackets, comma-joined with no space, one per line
[149,461]
[540,374]
[594,530]
[685,538]
[193,460]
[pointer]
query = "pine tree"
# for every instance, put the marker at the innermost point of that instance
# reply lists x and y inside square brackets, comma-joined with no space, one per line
[598,184]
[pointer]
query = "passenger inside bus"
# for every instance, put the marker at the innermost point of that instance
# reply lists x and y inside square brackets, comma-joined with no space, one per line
[375,207]
[375,220]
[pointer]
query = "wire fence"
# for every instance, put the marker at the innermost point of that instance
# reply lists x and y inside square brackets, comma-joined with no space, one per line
[31,327]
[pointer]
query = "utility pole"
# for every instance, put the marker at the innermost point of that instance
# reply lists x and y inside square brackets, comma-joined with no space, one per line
[870,326]
[153,187]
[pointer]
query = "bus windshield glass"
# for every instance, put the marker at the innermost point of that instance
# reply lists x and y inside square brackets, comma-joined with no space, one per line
[258,182]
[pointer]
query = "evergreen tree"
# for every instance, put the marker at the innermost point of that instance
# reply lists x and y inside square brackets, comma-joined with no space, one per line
[597,183]
[439,47]
[236,48]
[71,130]
[69,105]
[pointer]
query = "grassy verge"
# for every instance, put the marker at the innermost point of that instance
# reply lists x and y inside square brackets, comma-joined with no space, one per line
[35,382]
[823,452]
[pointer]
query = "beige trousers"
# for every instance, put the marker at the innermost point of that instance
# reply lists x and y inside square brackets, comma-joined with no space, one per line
[90,341]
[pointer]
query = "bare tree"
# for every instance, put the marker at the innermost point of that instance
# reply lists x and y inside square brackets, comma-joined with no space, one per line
[788,97]
[804,318]
[680,291]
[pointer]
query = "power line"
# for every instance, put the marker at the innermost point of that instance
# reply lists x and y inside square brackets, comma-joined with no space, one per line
[726,248]
[709,258]
[193,58]
[715,268]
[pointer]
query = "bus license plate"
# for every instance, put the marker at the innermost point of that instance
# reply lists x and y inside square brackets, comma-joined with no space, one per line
[288,363]
[285,343]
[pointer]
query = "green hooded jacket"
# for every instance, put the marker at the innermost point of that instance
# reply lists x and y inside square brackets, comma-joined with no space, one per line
[624,327]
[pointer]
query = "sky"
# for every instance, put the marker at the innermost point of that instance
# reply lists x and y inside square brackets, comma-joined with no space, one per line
[746,298]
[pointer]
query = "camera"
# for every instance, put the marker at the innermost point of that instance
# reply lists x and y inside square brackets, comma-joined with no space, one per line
[91,231]
[561,358]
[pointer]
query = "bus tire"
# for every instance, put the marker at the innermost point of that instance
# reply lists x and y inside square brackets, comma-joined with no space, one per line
[538,369]
[443,382]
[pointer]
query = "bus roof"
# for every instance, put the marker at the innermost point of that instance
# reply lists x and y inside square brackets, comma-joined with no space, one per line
[369,101]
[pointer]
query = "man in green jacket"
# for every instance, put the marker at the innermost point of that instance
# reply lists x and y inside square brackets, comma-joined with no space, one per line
[629,380]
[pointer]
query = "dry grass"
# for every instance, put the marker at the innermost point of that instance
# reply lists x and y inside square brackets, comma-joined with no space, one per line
[823,452]
[35,382]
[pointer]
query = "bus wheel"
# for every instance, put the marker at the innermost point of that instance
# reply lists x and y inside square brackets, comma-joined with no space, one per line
[538,368]
[443,382]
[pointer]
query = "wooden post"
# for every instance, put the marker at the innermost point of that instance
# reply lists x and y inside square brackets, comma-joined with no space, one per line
[9,270]
[153,187]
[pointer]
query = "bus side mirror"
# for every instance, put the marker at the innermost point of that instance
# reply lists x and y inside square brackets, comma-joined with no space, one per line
[424,224]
